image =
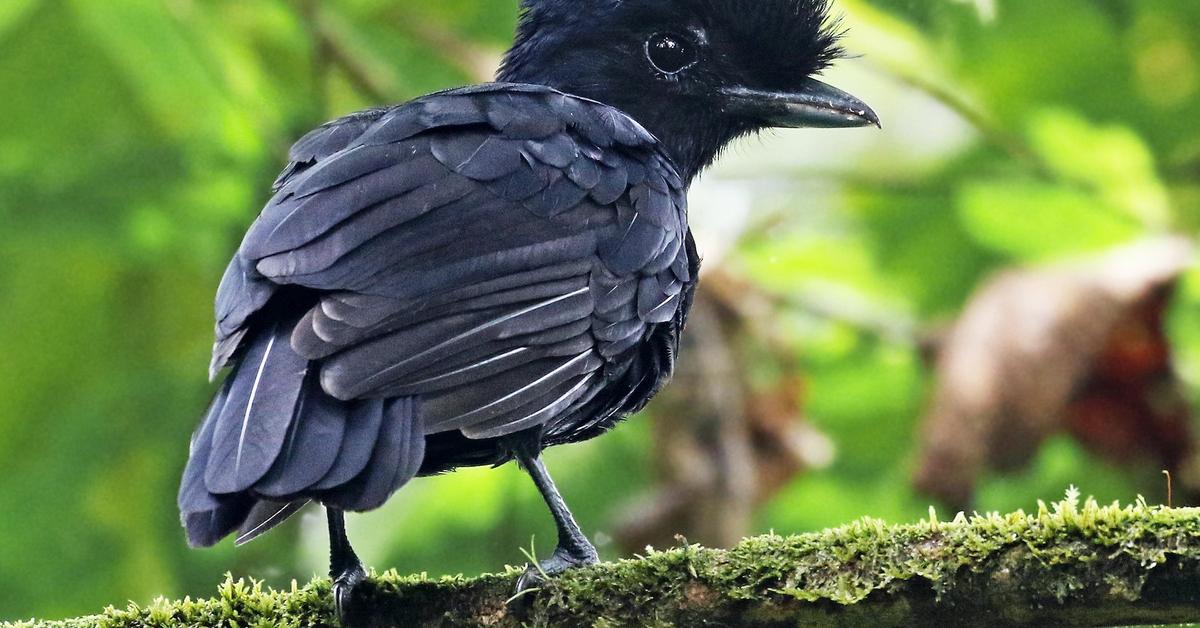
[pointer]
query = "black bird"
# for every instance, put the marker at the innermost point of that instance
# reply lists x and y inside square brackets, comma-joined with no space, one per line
[478,274]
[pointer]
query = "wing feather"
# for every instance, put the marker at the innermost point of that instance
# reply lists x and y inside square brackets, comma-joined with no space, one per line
[538,412]
[497,396]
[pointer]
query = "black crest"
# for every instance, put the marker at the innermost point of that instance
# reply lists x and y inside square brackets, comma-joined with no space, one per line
[780,39]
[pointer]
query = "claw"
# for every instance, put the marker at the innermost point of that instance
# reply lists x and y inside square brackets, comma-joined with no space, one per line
[343,593]
[561,561]
[531,579]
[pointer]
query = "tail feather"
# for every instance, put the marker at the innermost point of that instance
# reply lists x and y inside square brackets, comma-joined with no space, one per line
[264,517]
[396,458]
[253,424]
[312,444]
[358,442]
[193,494]
[206,517]
[273,439]
[413,454]
[207,528]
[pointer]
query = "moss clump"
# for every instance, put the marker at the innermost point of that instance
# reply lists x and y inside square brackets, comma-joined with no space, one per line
[1068,563]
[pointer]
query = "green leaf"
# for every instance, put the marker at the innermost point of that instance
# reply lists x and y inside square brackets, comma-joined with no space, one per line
[1032,221]
[1112,160]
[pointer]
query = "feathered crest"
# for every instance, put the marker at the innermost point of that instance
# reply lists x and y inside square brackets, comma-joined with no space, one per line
[778,39]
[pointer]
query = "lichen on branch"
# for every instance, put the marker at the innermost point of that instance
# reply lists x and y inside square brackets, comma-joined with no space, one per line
[1067,564]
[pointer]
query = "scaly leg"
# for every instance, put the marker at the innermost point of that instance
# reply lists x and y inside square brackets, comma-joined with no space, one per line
[574,549]
[344,567]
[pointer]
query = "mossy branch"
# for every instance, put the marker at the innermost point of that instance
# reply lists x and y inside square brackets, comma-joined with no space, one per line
[1064,565]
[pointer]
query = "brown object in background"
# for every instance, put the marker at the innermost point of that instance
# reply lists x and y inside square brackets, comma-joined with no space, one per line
[722,447]
[1077,348]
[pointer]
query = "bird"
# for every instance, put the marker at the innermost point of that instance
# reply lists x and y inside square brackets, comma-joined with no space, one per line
[475,275]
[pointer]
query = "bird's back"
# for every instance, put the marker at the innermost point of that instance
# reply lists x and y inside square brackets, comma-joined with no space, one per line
[429,281]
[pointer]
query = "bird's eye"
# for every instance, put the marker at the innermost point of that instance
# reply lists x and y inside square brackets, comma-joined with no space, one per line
[670,54]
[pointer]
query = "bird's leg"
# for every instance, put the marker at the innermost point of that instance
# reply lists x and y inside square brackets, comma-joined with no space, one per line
[574,549]
[344,567]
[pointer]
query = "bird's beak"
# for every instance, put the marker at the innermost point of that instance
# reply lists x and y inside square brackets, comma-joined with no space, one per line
[816,105]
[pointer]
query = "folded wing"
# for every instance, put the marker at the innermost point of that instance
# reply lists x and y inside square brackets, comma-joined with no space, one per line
[496,252]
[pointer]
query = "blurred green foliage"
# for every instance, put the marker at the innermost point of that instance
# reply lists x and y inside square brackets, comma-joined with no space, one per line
[138,137]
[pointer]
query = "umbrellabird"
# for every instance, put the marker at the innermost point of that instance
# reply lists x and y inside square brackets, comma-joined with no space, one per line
[478,274]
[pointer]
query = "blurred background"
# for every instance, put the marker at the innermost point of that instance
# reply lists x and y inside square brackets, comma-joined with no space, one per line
[988,301]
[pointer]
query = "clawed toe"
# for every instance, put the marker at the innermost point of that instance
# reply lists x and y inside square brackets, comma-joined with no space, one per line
[343,593]
[558,563]
[531,579]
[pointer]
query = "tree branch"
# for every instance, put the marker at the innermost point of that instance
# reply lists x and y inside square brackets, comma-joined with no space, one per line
[1064,565]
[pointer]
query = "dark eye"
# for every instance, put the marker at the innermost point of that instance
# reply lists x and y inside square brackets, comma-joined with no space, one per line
[670,54]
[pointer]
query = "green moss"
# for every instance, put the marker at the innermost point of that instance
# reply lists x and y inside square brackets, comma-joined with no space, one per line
[1073,557]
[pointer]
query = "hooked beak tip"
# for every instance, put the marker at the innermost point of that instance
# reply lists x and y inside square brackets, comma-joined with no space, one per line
[873,118]
[870,118]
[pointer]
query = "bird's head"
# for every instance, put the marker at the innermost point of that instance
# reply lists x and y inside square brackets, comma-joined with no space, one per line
[696,73]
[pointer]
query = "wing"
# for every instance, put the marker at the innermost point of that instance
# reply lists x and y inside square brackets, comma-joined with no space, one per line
[497,253]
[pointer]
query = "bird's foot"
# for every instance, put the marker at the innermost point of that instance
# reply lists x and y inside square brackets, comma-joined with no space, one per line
[343,593]
[562,560]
